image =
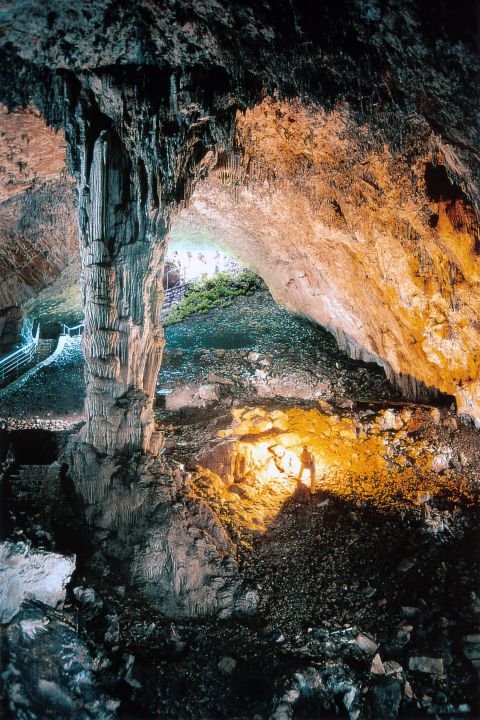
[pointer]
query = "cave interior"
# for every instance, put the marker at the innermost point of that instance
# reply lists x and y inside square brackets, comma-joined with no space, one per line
[239,359]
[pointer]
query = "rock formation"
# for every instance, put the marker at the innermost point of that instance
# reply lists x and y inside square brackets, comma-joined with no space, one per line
[379,169]
[375,243]
[30,573]
[358,149]
[171,548]
[49,671]
[38,225]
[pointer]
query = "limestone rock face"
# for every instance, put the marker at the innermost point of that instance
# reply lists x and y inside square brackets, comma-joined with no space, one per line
[378,245]
[38,219]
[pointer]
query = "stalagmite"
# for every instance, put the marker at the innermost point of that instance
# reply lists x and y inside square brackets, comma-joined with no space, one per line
[121,281]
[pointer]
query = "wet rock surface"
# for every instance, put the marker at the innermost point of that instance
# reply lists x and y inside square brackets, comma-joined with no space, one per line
[49,672]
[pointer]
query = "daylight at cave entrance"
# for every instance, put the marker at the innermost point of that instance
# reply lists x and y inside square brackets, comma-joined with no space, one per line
[239,359]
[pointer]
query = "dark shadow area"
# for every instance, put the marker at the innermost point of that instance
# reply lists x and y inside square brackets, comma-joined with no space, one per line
[439,186]
[36,447]
[459,207]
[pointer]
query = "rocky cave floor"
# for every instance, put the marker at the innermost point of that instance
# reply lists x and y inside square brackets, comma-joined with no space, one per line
[368,590]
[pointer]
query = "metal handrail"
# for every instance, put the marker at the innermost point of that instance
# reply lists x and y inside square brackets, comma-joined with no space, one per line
[178,286]
[10,364]
[170,295]
[72,331]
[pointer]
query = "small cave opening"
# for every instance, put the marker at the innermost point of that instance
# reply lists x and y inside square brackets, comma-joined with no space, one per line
[458,206]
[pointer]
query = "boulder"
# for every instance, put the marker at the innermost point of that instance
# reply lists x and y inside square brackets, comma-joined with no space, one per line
[385,698]
[227,665]
[471,649]
[390,420]
[428,665]
[377,666]
[193,396]
[29,573]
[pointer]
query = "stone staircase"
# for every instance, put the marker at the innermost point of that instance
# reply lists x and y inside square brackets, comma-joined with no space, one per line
[173,296]
[44,349]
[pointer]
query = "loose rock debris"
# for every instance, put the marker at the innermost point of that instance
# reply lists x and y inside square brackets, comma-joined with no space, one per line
[367,592]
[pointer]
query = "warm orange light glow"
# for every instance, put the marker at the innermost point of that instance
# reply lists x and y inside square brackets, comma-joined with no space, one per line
[255,465]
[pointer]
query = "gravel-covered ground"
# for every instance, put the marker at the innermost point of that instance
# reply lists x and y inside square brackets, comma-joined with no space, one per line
[369,590]
[258,348]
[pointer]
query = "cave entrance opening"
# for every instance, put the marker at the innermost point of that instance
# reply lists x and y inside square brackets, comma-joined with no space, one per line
[198,275]
[196,257]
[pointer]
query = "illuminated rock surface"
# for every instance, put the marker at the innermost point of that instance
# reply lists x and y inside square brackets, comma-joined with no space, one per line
[376,244]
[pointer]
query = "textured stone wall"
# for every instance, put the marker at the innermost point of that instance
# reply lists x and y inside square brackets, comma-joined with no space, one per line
[379,245]
[38,218]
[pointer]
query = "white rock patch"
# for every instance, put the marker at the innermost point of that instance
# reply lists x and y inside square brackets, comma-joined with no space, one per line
[26,573]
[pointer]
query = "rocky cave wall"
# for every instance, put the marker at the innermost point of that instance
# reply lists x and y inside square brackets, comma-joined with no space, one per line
[378,244]
[38,222]
[147,93]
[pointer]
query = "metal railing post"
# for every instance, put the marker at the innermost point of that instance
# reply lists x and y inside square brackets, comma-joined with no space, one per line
[73,331]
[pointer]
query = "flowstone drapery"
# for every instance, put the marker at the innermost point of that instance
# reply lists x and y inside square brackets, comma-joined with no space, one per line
[122,235]
[135,160]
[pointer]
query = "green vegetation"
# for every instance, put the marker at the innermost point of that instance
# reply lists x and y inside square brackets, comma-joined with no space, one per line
[219,291]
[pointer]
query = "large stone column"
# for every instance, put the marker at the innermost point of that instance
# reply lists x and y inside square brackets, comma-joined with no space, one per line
[122,234]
